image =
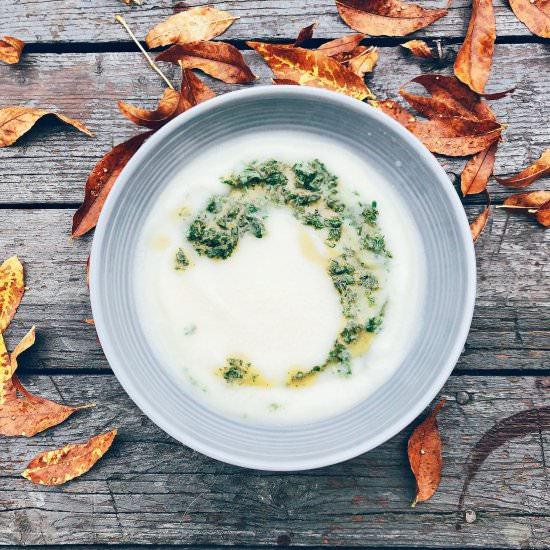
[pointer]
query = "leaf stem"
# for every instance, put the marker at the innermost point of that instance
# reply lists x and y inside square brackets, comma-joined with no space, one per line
[154,66]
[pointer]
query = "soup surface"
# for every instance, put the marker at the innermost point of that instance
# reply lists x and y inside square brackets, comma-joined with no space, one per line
[279,277]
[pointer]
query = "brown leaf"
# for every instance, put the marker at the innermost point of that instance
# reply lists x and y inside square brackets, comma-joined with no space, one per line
[8,366]
[100,182]
[540,168]
[456,136]
[364,62]
[166,110]
[449,98]
[193,90]
[305,34]
[201,23]
[543,214]
[535,14]
[285,82]
[30,415]
[419,48]
[218,59]
[478,170]
[527,200]
[393,109]
[341,45]
[424,450]
[11,49]
[16,121]
[61,465]
[12,288]
[475,57]
[311,68]
[386,17]
[478,225]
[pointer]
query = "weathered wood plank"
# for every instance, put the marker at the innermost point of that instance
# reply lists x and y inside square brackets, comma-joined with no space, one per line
[52,164]
[150,489]
[510,328]
[81,21]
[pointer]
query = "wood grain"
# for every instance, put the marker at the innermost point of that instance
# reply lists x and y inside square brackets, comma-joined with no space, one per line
[85,21]
[52,162]
[151,489]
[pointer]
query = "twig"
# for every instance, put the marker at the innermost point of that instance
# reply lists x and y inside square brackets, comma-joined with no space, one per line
[154,66]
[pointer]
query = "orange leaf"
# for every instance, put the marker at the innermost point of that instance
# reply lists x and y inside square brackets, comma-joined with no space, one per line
[12,288]
[8,366]
[456,136]
[540,168]
[425,458]
[193,90]
[61,465]
[419,48]
[218,59]
[305,34]
[285,82]
[478,225]
[100,182]
[543,214]
[341,45]
[311,68]
[393,109]
[535,14]
[166,110]
[364,62]
[475,57]
[478,170]
[10,49]
[201,23]
[449,98]
[386,17]
[16,121]
[528,200]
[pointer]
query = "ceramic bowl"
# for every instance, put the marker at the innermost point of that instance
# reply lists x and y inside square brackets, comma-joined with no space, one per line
[444,320]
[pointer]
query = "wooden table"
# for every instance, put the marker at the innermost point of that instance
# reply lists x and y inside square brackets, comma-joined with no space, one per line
[152,490]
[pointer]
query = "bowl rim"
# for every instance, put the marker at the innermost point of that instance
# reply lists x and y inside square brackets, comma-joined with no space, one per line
[131,386]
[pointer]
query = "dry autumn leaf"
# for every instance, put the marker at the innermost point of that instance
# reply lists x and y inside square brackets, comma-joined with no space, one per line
[11,49]
[311,68]
[16,121]
[218,59]
[527,200]
[12,288]
[478,170]
[478,225]
[540,168]
[305,34]
[165,111]
[475,57]
[425,458]
[386,17]
[344,44]
[364,62]
[394,110]
[100,182]
[30,415]
[535,14]
[419,48]
[543,214]
[193,90]
[201,23]
[456,136]
[8,366]
[61,465]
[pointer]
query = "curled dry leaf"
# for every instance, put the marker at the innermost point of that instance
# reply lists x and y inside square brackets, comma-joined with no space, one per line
[11,49]
[543,214]
[311,68]
[424,450]
[218,59]
[475,57]
[305,34]
[345,44]
[100,182]
[8,366]
[449,98]
[527,200]
[61,465]
[419,48]
[201,23]
[386,17]
[478,225]
[364,62]
[535,14]
[30,415]
[284,82]
[393,109]
[478,170]
[166,110]
[540,168]
[16,121]
[193,90]
[456,136]
[12,288]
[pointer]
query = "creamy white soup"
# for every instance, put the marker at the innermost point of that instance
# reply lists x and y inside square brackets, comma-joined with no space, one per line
[279,277]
